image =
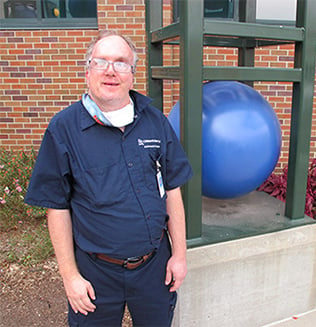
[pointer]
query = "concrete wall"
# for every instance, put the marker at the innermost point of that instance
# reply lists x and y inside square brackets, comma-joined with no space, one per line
[251,281]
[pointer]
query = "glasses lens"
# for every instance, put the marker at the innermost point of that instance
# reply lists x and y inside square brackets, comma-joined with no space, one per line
[118,66]
[121,67]
[97,63]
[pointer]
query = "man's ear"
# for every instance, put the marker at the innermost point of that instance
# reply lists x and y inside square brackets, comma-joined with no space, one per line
[87,77]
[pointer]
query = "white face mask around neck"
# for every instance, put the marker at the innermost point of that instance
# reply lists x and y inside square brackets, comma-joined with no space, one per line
[121,117]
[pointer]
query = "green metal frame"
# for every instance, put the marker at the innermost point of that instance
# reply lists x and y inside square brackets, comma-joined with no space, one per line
[193,32]
[48,23]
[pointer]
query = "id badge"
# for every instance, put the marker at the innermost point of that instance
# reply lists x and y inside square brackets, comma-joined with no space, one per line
[160,184]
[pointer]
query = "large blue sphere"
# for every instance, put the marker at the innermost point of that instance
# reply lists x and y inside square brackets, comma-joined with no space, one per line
[241,139]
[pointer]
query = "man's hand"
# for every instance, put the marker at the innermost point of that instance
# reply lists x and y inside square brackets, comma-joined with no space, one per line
[175,272]
[177,264]
[80,293]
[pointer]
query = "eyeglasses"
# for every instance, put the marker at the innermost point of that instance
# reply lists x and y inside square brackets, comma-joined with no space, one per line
[118,66]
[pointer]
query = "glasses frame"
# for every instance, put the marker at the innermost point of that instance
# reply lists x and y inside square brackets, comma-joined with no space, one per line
[108,63]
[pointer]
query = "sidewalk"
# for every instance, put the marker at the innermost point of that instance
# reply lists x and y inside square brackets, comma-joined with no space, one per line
[307,319]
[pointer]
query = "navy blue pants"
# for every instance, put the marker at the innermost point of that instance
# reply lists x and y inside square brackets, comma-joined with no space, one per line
[142,289]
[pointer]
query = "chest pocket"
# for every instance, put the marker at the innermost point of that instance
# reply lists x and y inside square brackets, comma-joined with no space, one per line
[105,184]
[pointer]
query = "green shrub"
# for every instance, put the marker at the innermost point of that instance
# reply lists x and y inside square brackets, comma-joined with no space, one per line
[26,228]
[15,172]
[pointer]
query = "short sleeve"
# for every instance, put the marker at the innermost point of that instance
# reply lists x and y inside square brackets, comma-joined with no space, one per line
[178,168]
[50,185]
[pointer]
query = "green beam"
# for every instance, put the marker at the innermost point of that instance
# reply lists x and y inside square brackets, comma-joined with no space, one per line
[233,73]
[250,30]
[246,51]
[251,74]
[166,33]
[235,42]
[155,51]
[191,54]
[302,110]
[166,72]
[234,29]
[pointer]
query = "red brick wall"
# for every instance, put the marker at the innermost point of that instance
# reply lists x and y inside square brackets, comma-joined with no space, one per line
[43,71]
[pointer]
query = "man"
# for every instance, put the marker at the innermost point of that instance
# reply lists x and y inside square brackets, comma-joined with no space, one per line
[109,170]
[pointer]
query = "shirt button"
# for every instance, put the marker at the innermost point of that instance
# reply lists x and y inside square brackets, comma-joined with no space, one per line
[130,164]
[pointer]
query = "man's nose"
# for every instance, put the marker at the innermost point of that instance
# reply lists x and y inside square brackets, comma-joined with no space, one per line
[110,68]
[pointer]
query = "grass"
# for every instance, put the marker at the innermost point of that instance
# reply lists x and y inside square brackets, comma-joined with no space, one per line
[28,245]
[24,233]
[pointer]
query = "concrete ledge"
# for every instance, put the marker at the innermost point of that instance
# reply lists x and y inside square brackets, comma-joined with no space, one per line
[256,213]
[250,281]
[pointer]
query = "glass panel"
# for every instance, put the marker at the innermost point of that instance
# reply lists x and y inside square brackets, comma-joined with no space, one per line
[82,8]
[69,8]
[281,12]
[19,9]
[226,9]
[48,9]
[51,8]
[218,8]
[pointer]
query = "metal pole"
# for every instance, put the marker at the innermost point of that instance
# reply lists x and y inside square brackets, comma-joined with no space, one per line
[191,77]
[302,109]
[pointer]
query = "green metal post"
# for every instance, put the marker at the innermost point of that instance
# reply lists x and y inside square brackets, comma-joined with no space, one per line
[246,54]
[191,77]
[154,16]
[302,108]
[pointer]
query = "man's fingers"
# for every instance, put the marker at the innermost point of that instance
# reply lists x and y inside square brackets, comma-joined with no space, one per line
[83,306]
[80,295]
[91,292]
[86,306]
[168,279]
[175,285]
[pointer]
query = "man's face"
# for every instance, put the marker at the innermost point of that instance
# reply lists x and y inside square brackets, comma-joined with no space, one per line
[109,89]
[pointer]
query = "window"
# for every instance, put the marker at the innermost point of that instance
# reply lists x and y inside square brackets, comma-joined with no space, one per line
[48,14]
[224,9]
[281,12]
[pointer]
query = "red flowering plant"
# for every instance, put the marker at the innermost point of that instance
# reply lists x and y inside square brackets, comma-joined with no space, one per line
[276,185]
[15,172]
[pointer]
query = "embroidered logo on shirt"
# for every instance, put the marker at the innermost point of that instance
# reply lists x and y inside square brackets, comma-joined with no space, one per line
[149,143]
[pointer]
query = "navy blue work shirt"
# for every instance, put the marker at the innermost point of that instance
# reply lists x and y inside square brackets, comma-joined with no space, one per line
[107,178]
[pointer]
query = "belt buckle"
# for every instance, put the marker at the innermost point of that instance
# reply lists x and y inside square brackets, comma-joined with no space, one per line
[132,260]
